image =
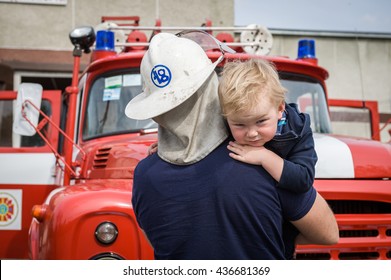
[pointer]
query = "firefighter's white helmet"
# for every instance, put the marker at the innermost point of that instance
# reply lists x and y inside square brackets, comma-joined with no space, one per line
[172,69]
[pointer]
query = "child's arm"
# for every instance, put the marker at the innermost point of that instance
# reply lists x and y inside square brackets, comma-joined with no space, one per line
[299,166]
[272,163]
[295,173]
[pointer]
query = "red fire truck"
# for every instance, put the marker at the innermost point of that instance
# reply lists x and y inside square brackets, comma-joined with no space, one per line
[67,160]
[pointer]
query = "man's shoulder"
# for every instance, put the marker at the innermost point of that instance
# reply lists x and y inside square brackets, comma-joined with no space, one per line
[147,161]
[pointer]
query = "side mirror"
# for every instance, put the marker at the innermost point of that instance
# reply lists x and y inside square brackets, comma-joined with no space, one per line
[32,93]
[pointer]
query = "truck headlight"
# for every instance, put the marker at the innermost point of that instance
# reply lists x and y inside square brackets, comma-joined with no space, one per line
[106,233]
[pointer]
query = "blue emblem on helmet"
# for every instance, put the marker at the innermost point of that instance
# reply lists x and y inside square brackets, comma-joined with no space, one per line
[161,76]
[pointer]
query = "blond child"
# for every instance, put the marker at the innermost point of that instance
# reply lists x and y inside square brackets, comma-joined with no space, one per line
[267,131]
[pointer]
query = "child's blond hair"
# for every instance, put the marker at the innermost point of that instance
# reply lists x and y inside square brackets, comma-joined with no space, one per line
[243,84]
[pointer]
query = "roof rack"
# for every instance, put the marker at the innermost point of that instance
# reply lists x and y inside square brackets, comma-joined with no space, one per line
[253,39]
[122,20]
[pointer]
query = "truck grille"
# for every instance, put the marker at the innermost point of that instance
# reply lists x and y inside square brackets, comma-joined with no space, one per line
[101,158]
[359,207]
[365,233]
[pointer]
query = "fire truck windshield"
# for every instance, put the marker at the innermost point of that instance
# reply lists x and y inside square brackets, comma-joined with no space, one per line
[107,99]
[109,95]
[310,97]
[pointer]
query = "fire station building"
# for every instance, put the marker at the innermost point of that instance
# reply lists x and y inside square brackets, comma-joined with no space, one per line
[35,46]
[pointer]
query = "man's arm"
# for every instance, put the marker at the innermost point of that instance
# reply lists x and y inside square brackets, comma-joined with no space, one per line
[146,237]
[318,226]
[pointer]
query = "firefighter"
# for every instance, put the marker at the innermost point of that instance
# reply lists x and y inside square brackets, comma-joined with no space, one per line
[192,200]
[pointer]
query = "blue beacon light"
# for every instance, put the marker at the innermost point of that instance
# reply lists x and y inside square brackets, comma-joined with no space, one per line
[104,45]
[104,41]
[306,49]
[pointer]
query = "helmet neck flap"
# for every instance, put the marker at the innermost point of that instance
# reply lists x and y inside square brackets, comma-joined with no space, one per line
[189,132]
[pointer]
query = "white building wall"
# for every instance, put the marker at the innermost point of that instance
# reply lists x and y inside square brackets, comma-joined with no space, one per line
[47,26]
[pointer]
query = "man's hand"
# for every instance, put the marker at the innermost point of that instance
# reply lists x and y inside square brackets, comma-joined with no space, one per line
[152,149]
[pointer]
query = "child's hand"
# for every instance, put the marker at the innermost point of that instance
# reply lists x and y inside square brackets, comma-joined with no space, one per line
[244,153]
[152,149]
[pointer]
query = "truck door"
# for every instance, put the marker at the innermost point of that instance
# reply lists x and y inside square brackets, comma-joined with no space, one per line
[27,172]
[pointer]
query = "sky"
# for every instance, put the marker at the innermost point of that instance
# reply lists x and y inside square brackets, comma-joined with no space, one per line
[324,15]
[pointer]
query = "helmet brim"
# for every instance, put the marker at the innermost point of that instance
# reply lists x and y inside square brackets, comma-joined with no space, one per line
[148,105]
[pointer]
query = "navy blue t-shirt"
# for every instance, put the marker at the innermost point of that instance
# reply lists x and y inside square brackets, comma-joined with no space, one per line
[217,208]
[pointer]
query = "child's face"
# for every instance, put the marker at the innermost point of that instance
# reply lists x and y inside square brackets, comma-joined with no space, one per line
[256,127]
